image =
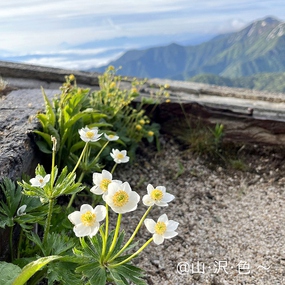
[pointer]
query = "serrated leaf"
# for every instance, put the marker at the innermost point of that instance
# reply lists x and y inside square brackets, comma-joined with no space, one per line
[8,272]
[63,272]
[99,278]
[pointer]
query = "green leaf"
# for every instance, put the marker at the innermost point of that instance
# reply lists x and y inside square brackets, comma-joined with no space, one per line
[43,147]
[49,110]
[9,205]
[99,278]
[129,272]
[30,269]
[63,272]
[8,272]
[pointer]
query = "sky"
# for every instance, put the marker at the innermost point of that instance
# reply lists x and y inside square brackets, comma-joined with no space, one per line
[89,33]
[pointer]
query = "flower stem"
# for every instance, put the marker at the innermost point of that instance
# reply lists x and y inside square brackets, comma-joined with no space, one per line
[20,244]
[114,167]
[99,153]
[133,235]
[135,254]
[73,195]
[11,243]
[80,158]
[115,237]
[105,236]
[48,220]
[52,169]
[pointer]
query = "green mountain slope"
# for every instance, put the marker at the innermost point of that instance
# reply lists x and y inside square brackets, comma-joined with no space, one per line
[274,82]
[258,48]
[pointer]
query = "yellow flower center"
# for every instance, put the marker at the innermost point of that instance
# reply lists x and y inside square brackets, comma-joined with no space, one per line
[120,198]
[150,133]
[111,136]
[120,156]
[160,228]
[104,184]
[156,194]
[88,219]
[41,180]
[89,134]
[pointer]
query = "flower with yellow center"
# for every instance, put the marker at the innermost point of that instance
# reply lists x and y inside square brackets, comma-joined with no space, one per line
[111,137]
[142,121]
[119,156]
[157,196]
[150,133]
[101,182]
[89,135]
[40,181]
[162,229]
[121,198]
[86,221]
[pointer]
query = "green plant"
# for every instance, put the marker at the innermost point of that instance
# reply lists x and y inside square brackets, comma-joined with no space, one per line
[128,118]
[97,255]
[68,112]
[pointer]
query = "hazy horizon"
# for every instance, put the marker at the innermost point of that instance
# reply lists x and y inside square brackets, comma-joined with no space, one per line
[74,35]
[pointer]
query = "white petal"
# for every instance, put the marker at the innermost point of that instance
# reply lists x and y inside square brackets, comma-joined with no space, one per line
[158,239]
[22,210]
[163,218]
[126,187]
[172,225]
[162,188]
[75,217]
[100,212]
[97,177]
[81,230]
[106,174]
[161,203]
[170,234]
[113,187]
[150,225]
[85,207]
[167,198]
[147,201]
[96,190]
[46,178]
[35,182]
[94,229]
[149,189]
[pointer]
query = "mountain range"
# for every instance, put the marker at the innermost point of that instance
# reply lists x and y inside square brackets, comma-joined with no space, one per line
[258,48]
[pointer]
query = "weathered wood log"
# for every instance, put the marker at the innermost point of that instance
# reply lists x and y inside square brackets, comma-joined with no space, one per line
[239,127]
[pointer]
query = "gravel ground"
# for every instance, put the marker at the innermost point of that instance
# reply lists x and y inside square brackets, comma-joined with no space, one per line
[231,223]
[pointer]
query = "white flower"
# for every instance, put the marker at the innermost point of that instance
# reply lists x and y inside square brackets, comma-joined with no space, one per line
[157,196]
[86,221]
[119,156]
[22,210]
[40,181]
[111,137]
[102,181]
[89,135]
[164,228]
[121,198]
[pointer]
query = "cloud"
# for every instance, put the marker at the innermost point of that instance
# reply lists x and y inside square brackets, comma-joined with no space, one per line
[35,25]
